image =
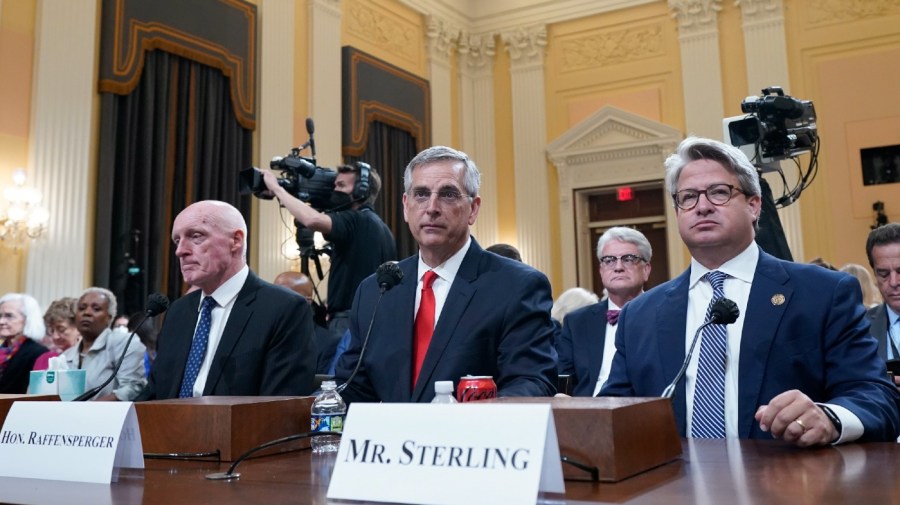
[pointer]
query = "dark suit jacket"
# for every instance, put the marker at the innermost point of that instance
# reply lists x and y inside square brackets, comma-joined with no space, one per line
[18,369]
[878,318]
[266,349]
[496,321]
[816,341]
[581,346]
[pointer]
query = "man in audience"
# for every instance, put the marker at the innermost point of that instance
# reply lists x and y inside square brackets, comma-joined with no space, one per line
[883,250]
[326,343]
[458,310]
[505,250]
[236,335]
[587,342]
[799,363]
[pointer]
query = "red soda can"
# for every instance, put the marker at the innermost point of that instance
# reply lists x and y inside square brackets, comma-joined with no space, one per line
[472,388]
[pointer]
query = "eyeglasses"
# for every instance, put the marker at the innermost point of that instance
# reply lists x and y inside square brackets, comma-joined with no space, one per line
[446,196]
[629,260]
[717,194]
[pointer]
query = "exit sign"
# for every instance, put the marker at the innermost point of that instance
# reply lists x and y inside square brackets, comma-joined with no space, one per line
[624,194]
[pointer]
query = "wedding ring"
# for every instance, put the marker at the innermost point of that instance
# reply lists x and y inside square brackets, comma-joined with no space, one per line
[798,421]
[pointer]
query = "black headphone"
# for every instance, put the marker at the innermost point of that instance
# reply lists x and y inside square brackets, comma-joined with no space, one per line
[361,188]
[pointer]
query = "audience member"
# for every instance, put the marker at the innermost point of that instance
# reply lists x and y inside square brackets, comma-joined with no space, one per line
[237,335]
[799,361]
[458,310]
[21,330]
[147,332]
[883,251]
[326,343]
[870,294]
[101,347]
[120,322]
[818,260]
[587,341]
[505,250]
[570,300]
[60,322]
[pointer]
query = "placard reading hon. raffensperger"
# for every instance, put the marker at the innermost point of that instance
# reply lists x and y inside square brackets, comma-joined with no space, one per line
[470,453]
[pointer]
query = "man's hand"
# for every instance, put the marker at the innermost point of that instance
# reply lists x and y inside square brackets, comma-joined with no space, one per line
[794,417]
[270,179]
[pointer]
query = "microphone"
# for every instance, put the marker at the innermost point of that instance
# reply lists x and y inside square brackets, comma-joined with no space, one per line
[388,275]
[723,311]
[156,304]
[311,129]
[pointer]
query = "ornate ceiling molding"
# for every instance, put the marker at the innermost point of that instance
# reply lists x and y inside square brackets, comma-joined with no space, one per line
[695,16]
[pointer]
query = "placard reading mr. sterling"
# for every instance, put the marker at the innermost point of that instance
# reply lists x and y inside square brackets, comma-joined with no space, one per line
[447,454]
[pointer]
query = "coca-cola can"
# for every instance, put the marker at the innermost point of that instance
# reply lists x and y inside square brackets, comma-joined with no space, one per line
[472,388]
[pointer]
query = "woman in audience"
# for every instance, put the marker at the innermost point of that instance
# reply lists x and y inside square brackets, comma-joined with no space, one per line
[21,330]
[101,347]
[60,321]
[571,299]
[871,295]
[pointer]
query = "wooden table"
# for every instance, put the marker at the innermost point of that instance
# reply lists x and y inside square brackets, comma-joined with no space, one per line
[715,472]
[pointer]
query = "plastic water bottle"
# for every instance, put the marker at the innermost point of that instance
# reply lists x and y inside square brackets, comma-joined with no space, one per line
[327,414]
[443,392]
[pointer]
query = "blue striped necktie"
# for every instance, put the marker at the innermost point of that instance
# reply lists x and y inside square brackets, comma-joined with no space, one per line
[708,420]
[198,348]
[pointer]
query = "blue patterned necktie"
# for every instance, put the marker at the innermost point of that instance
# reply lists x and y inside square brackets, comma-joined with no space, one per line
[198,348]
[708,420]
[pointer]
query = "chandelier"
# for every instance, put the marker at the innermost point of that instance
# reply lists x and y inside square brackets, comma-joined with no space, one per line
[23,218]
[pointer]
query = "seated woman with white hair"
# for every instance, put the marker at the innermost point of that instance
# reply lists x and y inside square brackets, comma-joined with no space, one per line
[21,330]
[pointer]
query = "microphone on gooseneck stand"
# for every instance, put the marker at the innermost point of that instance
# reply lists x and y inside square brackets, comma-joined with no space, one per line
[723,311]
[156,304]
[388,275]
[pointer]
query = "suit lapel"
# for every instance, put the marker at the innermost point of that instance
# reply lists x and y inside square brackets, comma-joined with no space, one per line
[179,346]
[770,295]
[879,321]
[398,318]
[671,327]
[234,329]
[593,343]
[458,299]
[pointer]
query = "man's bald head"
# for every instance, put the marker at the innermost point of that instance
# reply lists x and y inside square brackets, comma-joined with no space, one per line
[296,282]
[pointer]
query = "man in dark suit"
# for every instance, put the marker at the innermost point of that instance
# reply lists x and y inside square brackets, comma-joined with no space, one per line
[236,335]
[883,251]
[458,309]
[587,340]
[798,364]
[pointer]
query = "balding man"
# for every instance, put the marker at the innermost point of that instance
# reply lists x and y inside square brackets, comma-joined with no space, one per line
[236,335]
[326,342]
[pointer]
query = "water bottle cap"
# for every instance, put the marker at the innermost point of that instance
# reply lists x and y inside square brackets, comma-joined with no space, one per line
[329,385]
[443,387]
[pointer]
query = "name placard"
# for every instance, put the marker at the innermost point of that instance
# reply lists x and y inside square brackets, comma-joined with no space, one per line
[491,454]
[80,442]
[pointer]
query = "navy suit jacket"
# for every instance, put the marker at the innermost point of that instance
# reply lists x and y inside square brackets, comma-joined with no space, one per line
[878,317]
[267,347]
[816,341]
[496,322]
[581,346]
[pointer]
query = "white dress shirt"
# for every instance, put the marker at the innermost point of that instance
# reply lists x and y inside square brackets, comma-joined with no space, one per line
[446,272]
[609,350]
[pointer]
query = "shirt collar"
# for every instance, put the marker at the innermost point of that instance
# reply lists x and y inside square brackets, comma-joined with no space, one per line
[741,267]
[448,269]
[229,289]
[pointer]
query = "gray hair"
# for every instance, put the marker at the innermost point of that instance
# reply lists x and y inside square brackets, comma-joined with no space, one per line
[111,306]
[733,159]
[471,179]
[571,299]
[35,329]
[627,235]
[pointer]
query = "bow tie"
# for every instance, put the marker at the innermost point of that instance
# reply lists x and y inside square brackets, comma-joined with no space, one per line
[612,316]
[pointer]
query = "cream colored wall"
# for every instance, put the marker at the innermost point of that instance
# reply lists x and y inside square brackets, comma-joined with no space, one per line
[16,60]
[845,56]
[387,30]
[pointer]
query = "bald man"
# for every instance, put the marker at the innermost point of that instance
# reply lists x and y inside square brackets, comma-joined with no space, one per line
[236,335]
[326,342]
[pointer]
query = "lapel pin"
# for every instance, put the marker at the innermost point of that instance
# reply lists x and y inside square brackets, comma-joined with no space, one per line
[777,299]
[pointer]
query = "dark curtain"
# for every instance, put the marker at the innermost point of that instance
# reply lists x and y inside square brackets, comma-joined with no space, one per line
[388,150]
[171,142]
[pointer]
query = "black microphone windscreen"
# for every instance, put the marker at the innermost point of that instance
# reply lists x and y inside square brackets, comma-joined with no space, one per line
[310,126]
[388,275]
[724,311]
[157,303]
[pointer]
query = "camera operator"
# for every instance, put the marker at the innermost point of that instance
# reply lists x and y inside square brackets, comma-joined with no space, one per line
[360,238]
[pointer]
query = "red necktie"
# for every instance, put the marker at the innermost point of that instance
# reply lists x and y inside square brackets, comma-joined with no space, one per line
[424,324]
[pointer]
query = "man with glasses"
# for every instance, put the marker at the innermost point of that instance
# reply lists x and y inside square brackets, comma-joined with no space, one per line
[798,364]
[587,341]
[458,309]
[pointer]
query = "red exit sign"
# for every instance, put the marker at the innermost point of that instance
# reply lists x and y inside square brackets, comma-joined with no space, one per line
[624,194]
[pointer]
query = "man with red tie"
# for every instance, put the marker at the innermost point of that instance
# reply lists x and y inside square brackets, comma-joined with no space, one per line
[458,310]
[587,342]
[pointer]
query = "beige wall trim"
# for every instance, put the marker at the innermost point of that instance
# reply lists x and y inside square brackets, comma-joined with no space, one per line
[60,152]
[611,147]
[442,39]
